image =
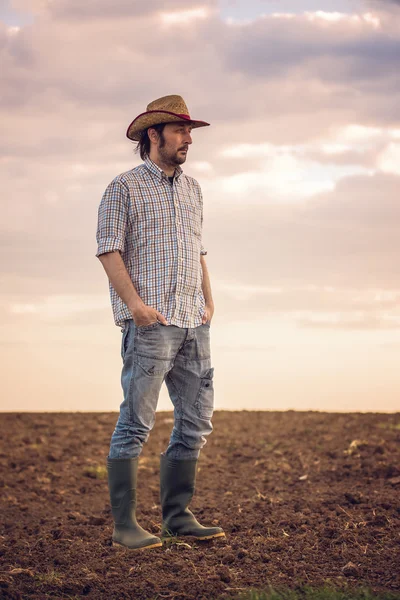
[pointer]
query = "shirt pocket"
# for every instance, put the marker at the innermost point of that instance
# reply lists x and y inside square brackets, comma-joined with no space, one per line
[191,216]
[153,221]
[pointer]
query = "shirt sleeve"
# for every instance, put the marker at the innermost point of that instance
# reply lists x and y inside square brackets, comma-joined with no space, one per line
[202,249]
[112,218]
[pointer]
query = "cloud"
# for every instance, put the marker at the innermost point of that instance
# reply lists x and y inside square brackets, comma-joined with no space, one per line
[299,109]
[60,307]
[349,48]
[383,4]
[251,60]
[343,238]
[101,9]
[367,203]
[357,321]
[309,305]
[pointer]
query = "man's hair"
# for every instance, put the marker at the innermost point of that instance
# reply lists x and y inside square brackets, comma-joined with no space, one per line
[143,145]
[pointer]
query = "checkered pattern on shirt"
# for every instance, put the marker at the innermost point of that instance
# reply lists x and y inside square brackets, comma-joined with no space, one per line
[157,228]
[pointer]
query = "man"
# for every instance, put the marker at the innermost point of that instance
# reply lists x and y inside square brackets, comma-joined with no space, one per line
[149,243]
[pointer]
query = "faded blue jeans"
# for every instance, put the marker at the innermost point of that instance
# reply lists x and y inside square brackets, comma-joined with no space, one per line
[180,356]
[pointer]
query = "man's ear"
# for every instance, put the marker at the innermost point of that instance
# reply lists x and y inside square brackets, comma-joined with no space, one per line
[153,134]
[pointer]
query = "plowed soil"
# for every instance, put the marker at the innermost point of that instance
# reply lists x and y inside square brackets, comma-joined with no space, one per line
[304,498]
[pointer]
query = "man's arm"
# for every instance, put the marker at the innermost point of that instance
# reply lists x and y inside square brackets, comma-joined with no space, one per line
[205,284]
[206,287]
[120,279]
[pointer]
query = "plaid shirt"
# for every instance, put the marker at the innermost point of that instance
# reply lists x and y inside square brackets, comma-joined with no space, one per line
[157,227]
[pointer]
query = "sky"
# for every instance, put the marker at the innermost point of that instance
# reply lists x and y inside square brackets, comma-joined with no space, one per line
[300,172]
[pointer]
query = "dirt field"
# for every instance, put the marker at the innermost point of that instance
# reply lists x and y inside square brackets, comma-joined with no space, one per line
[304,498]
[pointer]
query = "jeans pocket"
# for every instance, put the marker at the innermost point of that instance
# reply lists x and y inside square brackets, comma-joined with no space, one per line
[153,367]
[125,338]
[148,326]
[205,398]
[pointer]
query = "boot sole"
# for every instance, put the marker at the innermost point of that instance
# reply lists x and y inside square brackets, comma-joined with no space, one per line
[194,537]
[117,545]
[209,537]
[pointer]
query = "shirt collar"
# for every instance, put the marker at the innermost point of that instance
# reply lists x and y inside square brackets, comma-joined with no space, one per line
[159,173]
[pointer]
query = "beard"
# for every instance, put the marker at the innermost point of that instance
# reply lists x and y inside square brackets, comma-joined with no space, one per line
[171,157]
[168,156]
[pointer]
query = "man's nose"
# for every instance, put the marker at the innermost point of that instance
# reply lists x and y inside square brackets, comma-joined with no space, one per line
[188,138]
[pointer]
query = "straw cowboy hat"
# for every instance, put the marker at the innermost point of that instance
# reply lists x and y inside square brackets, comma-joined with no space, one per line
[163,110]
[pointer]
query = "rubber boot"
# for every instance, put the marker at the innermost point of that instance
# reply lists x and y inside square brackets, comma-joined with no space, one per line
[177,485]
[122,478]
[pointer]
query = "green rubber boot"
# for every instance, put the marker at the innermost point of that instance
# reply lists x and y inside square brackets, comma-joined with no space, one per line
[177,485]
[122,478]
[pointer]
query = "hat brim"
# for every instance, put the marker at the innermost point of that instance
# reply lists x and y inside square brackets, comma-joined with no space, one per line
[155,117]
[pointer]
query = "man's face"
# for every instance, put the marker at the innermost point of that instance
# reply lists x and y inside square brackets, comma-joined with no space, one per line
[173,144]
